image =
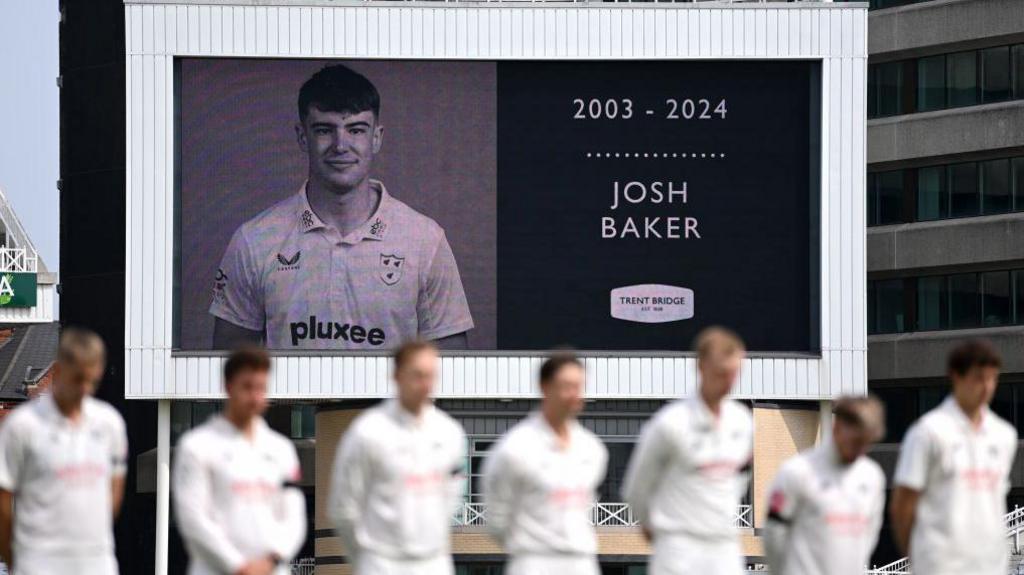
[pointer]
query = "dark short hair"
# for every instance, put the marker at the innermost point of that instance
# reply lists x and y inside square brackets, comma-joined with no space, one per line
[972,353]
[552,365]
[246,359]
[338,88]
[407,350]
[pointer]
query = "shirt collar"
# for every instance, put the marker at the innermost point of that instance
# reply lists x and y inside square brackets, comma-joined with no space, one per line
[258,427]
[53,412]
[375,228]
[404,417]
[954,410]
[702,412]
[548,434]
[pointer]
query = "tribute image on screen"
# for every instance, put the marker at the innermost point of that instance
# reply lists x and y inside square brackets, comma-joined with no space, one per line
[352,205]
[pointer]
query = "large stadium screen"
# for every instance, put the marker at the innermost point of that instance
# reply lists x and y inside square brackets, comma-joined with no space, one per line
[500,205]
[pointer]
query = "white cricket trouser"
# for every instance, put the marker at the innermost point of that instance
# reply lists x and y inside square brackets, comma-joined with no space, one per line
[370,564]
[33,564]
[677,554]
[553,564]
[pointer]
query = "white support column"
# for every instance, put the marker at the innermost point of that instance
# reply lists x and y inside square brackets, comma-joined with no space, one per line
[824,420]
[163,483]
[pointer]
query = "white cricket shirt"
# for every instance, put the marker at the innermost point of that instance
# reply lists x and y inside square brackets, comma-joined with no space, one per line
[824,515]
[962,473]
[687,473]
[60,474]
[235,498]
[396,482]
[539,495]
[289,275]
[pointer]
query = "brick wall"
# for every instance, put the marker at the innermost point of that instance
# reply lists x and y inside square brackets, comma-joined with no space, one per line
[778,435]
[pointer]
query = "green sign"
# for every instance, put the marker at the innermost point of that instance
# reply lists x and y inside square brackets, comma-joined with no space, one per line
[17,289]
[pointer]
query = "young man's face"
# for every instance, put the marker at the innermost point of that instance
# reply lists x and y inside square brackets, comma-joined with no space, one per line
[75,381]
[247,393]
[416,377]
[563,393]
[975,388]
[719,370]
[340,146]
[852,441]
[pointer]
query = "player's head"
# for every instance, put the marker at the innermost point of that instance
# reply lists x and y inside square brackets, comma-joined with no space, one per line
[245,382]
[415,373]
[720,355]
[973,367]
[562,379]
[339,127]
[81,359]
[858,422]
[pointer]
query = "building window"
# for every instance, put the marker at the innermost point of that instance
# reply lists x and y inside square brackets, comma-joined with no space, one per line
[963,190]
[995,74]
[945,81]
[478,449]
[885,304]
[996,308]
[303,422]
[931,83]
[885,198]
[958,301]
[995,187]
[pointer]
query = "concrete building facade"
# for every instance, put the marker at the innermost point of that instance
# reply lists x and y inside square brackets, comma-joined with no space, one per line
[945,192]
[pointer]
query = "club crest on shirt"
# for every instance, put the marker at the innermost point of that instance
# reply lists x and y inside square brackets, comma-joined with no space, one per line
[391,267]
[378,228]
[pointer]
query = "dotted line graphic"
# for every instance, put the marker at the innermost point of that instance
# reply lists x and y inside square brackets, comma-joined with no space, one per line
[658,155]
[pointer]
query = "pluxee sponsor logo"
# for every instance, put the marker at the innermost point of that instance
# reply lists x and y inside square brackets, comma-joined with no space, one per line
[313,330]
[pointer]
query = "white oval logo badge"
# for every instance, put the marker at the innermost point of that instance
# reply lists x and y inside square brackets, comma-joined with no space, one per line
[652,303]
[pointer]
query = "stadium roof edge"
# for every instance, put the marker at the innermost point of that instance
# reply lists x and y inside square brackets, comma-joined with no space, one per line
[735,4]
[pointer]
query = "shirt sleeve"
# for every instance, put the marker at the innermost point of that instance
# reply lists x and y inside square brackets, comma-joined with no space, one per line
[237,290]
[442,308]
[293,508]
[877,516]
[192,504]
[349,487]
[118,447]
[499,490]
[783,501]
[12,454]
[646,468]
[914,460]
[457,470]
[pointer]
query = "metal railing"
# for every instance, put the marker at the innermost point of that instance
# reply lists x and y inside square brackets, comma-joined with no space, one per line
[601,515]
[304,566]
[1014,529]
[18,260]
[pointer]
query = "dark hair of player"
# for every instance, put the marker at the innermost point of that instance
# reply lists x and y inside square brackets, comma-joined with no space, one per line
[246,359]
[338,88]
[552,365]
[80,346]
[409,349]
[972,353]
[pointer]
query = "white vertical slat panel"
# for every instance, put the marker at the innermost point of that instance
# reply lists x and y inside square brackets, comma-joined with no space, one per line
[156,33]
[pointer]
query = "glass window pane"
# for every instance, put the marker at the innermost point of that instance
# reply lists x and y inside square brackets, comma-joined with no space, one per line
[995,186]
[1018,287]
[962,79]
[872,307]
[995,74]
[872,199]
[1002,402]
[964,301]
[873,91]
[901,405]
[1018,71]
[932,198]
[931,303]
[889,306]
[928,398]
[963,190]
[931,83]
[890,82]
[995,298]
[1017,182]
[890,196]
